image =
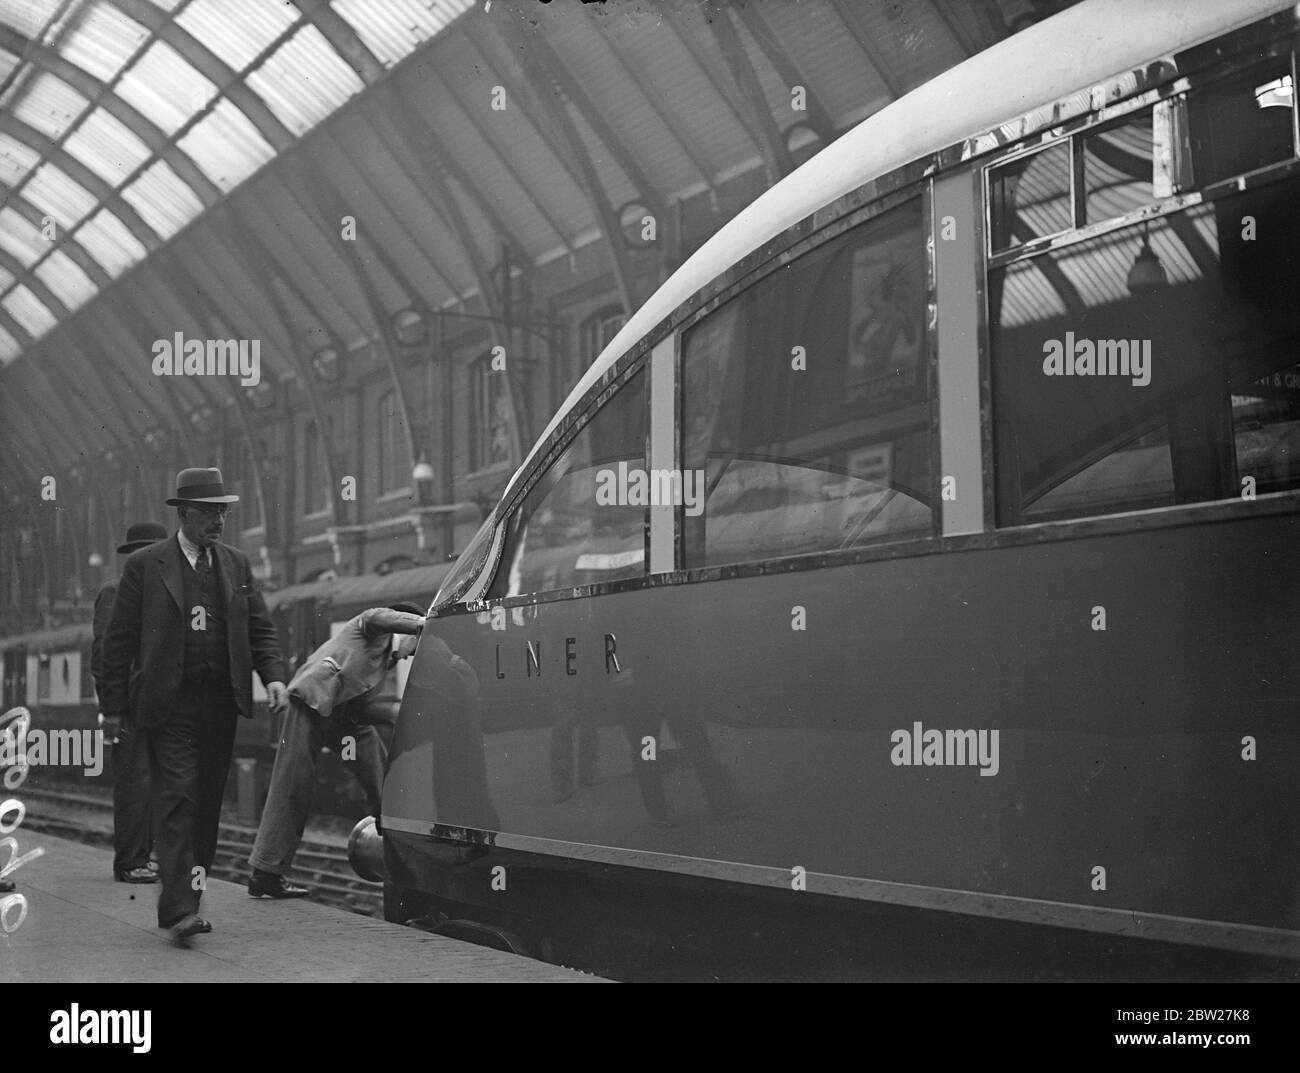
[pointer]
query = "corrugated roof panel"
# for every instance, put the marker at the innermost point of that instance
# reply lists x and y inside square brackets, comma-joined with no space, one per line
[49,104]
[107,146]
[833,66]
[163,200]
[305,80]
[911,38]
[391,29]
[9,348]
[52,191]
[29,311]
[226,146]
[603,76]
[16,159]
[236,30]
[65,278]
[164,87]
[102,40]
[679,83]
[108,240]
[20,237]
[28,17]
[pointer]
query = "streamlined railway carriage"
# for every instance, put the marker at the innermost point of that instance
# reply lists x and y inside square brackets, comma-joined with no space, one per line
[909,589]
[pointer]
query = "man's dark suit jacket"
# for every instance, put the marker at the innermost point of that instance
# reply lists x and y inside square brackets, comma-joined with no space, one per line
[148,629]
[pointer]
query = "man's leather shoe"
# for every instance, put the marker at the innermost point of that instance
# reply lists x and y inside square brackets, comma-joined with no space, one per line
[143,874]
[270,885]
[190,925]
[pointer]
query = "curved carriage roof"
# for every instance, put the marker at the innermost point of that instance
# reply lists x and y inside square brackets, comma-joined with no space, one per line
[1090,42]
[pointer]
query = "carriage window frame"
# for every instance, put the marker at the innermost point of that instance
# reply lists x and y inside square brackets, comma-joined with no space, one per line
[1170,108]
[479,593]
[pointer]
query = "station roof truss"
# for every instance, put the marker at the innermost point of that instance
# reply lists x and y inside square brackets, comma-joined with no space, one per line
[185,166]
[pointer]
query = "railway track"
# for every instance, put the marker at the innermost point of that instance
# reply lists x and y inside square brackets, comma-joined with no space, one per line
[319,865]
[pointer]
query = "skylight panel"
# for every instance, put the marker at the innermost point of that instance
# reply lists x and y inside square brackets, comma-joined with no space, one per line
[165,87]
[163,200]
[226,145]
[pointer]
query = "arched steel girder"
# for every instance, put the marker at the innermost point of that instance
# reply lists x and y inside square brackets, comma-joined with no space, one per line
[850,18]
[363,62]
[98,93]
[60,427]
[135,325]
[957,30]
[343,39]
[68,245]
[443,198]
[164,28]
[415,168]
[413,128]
[542,75]
[546,59]
[99,189]
[510,69]
[329,205]
[631,74]
[750,96]
[518,91]
[818,118]
[729,93]
[102,372]
[337,174]
[257,257]
[210,321]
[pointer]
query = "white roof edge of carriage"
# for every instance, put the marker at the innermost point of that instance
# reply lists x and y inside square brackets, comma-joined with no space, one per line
[1088,43]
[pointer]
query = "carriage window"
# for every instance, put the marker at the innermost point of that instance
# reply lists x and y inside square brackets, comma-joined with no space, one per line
[806,407]
[1244,122]
[584,522]
[1151,366]
[1030,197]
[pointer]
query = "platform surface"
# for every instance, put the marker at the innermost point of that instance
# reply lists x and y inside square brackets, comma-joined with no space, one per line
[82,927]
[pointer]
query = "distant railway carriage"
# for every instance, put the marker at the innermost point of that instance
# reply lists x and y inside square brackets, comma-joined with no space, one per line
[910,586]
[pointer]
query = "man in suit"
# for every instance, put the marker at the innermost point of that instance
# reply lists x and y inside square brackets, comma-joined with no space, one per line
[188,616]
[329,699]
[132,818]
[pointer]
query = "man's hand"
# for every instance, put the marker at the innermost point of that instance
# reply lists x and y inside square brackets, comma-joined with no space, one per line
[278,697]
[114,731]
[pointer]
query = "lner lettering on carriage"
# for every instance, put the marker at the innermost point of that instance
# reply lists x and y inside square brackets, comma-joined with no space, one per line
[945,748]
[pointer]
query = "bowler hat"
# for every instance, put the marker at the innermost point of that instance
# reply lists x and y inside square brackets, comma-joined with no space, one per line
[200,486]
[141,535]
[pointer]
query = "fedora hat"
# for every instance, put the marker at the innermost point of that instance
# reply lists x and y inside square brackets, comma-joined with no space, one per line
[200,486]
[141,535]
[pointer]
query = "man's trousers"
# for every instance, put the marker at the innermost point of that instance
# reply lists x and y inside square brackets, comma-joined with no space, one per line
[288,801]
[189,759]
[133,820]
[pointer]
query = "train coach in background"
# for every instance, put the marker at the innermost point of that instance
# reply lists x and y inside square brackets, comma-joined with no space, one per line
[328,701]
[133,820]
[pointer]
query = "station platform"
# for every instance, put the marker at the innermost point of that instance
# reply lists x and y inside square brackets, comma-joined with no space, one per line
[82,927]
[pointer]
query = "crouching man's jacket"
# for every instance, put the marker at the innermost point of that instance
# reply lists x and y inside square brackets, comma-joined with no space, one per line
[352,662]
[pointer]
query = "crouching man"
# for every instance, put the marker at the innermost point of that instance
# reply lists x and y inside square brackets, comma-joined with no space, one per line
[327,702]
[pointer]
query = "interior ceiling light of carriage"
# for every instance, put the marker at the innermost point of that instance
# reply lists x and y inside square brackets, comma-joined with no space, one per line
[123,120]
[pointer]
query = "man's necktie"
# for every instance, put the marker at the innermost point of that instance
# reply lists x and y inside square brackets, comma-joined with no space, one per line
[201,565]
